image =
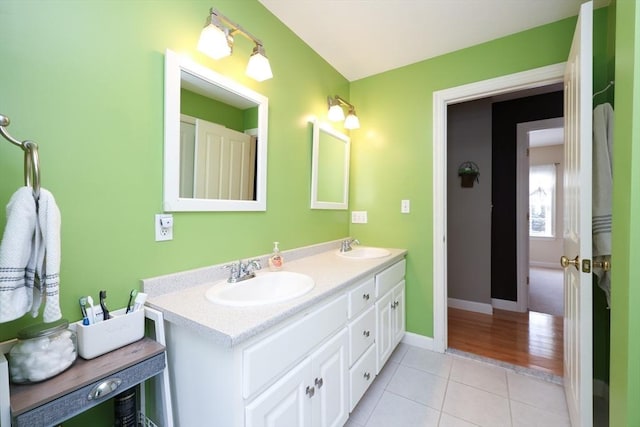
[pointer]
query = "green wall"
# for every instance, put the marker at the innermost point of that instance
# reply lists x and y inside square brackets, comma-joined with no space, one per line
[625,272]
[392,152]
[202,107]
[86,79]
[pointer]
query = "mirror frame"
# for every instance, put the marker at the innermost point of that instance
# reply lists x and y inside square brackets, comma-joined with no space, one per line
[320,204]
[172,202]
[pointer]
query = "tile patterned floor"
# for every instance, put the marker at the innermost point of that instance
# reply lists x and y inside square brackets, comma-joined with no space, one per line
[421,388]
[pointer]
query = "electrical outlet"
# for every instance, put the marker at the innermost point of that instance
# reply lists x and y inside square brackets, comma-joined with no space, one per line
[359,217]
[164,227]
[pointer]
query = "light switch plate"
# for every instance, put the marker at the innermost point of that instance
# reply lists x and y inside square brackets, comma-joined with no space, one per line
[405,206]
[358,217]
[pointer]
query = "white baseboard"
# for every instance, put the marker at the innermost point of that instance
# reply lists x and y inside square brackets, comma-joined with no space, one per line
[478,307]
[503,304]
[601,389]
[542,264]
[418,341]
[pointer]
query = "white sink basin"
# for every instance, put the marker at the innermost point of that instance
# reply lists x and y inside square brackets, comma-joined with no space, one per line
[265,288]
[364,252]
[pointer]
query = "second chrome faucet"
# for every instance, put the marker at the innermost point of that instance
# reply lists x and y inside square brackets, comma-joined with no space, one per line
[345,245]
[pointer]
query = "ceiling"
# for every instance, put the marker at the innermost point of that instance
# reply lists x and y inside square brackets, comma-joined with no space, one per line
[360,38]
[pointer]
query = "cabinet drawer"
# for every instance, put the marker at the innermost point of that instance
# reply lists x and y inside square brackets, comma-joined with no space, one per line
[390,277]
[360,297]
[361,376]
[362,334]
[269,358]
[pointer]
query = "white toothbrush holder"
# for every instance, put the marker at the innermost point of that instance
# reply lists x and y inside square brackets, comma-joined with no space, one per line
[105,336]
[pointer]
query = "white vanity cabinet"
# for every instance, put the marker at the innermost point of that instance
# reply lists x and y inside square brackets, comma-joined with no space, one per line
[313,394]
[296,374]
[362,334]
[310,370]
[390,311]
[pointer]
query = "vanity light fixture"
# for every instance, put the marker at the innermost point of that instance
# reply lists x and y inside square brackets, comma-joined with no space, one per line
[216,41]
[336,113]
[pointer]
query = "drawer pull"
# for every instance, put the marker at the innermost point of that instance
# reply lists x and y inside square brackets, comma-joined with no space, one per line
[366,333]
[365,297]
[310,391]
[367,376]
[319,382]
[104,388]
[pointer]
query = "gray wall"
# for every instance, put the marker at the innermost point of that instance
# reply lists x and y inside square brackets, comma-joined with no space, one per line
[469,209]
[546,252]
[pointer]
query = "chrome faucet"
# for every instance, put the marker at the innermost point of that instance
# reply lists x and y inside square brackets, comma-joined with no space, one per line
[242,271]
[345,246]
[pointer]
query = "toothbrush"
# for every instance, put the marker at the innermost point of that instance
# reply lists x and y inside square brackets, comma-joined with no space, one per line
[83,308]
[105,312]
[140,300]
[132,296]
[92,319]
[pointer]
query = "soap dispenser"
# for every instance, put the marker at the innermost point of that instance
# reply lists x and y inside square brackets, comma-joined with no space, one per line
[276,261]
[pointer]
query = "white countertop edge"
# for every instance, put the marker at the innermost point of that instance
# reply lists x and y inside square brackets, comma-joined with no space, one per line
[184,306]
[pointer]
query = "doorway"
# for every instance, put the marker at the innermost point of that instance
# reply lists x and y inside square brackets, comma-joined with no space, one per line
[532,79]
[487,227]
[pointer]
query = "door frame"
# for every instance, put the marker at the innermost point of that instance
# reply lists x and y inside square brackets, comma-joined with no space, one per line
[530,79]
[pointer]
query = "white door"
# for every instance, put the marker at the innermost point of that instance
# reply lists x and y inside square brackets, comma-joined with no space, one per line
[398,314]
[577,223]
[286,403]
[223,168]
[330,369]
[384,338]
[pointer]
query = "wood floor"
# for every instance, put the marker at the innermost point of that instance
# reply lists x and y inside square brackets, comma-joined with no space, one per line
[532,340]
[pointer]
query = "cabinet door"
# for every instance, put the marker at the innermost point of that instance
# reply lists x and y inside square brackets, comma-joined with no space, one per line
[286,403]
[398,313]
[384,339]
[330,379]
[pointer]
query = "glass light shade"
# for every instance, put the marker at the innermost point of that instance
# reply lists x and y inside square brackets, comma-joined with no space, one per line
[335,113]
[351,122]
[258,67]
[213,42]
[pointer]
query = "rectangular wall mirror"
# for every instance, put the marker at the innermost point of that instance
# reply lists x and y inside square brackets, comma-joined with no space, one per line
[215,148]
[330,168]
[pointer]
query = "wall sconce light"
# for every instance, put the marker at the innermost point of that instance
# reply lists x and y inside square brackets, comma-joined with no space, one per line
[216,41]
[336,113]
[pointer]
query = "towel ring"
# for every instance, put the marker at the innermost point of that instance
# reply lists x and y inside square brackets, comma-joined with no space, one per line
[31,158]
[32,167]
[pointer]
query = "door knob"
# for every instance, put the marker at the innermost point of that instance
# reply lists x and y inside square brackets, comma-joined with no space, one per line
[566,262]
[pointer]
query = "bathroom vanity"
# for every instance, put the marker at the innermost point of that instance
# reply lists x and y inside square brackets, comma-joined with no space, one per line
[303,362]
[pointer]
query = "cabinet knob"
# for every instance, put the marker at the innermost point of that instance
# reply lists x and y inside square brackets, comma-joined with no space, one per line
[319,382]
[393,305]
[366,333]
[310,391]
[367,376]
[104,388]
[365,297]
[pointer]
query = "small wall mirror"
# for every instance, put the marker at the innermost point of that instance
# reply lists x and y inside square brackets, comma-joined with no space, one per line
[330,168]
[215,143]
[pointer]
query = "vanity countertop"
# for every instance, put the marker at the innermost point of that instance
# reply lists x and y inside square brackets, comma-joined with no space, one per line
[181,296]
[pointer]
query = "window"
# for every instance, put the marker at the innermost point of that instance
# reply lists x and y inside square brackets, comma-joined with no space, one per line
[542,200]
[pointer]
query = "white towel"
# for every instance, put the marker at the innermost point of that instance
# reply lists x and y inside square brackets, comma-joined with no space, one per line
[17,258]
[48,259]
[602,188]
